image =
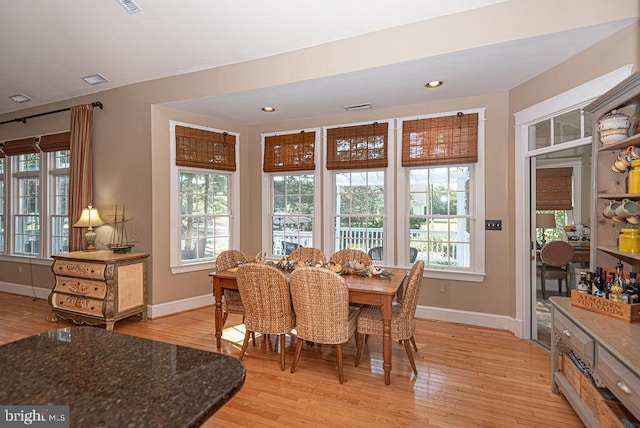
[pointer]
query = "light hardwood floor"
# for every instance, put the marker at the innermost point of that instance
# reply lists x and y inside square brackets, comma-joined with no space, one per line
[468,376]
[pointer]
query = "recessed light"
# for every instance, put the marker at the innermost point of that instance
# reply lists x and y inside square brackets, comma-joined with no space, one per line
[353,107]
[20,98]
[268,109]
[95,79]
[434,84]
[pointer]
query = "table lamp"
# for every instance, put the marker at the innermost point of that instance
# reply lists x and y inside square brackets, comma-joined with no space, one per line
[89,218]
[545,221]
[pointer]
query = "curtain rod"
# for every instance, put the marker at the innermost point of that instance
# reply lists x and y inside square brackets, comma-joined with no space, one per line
[24,119]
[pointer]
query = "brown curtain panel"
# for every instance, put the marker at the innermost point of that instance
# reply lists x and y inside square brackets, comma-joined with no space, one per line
[441,140]
[205,149]
[358,147]
[289,152]
[554,189]
[80,170]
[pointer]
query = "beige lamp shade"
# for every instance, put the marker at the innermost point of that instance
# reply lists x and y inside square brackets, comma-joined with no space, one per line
[89,218]
[546,221]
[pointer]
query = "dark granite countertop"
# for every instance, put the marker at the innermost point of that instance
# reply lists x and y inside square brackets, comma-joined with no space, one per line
[110,379]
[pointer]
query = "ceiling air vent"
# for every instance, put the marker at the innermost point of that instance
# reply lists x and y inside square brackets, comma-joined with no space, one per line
[131,6]
[358,107]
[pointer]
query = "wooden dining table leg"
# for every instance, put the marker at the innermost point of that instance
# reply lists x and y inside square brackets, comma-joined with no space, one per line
[217,293]
[385,310]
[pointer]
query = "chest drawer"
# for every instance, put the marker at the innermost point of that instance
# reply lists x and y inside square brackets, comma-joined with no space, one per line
[82,287]
[624,383]
[79,269]
[574,337]
[79,304]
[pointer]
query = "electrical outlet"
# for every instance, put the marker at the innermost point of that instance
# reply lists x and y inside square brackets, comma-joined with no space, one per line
[443,287]
[493,225]
[19,269]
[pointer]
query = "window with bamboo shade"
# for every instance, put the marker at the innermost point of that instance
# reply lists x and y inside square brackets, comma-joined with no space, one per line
[358,147]
[289,152]
[554,189]
[442,140]
[200,148]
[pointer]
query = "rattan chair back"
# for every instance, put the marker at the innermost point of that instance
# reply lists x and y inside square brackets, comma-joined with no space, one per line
[229,259]
[406,317]
[308,255]
[265,295]
[351,255]
[321,303]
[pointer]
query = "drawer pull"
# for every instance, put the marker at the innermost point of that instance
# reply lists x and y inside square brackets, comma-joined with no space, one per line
[623,387]
[566,332]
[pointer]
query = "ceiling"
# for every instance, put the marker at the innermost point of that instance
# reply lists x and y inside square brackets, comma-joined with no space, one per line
[47,47]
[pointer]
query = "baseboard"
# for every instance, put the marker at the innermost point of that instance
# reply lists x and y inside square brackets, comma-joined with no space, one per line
[25,290]
[169,308]
[480,319]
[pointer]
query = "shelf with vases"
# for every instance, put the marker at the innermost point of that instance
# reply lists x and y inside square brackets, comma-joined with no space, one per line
[616,252]
[620,145]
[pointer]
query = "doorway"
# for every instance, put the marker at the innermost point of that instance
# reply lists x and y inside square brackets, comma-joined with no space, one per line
[561,205]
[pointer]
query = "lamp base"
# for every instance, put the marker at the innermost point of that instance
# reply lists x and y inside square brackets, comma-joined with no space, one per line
[90,236]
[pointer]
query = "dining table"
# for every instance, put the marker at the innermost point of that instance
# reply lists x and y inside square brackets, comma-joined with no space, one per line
[368,290]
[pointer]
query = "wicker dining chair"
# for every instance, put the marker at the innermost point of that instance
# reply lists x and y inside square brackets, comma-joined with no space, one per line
[403,317]
[351,255]
[267,303]
[323,315]
[231,303]
[308,255]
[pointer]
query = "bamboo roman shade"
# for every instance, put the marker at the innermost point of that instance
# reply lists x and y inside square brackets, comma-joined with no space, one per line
[554,189]
[205,149]
[440,140]
[289,152]
[22,146]
[357,147]
[55,142]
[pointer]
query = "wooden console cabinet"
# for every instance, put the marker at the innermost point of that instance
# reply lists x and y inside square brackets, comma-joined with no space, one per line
[99,287]
[609,347]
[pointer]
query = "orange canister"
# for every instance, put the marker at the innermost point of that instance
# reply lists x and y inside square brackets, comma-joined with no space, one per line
[633,184]
[629,240]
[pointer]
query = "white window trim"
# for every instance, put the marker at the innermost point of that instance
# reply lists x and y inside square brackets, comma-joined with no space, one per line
[389,186]
[174,221]
[477,272]
[267,197]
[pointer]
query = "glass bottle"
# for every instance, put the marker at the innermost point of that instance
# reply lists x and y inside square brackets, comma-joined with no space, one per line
[597,285]
[582,284]
[616,290]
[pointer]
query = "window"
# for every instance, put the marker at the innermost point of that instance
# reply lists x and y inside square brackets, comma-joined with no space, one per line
[440,216]
[289,173]
[203,176]
[442,156]
[359,218]
[292,214]
[560,128]
[204,215]
[359,173]
[37,167]
[59,192]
